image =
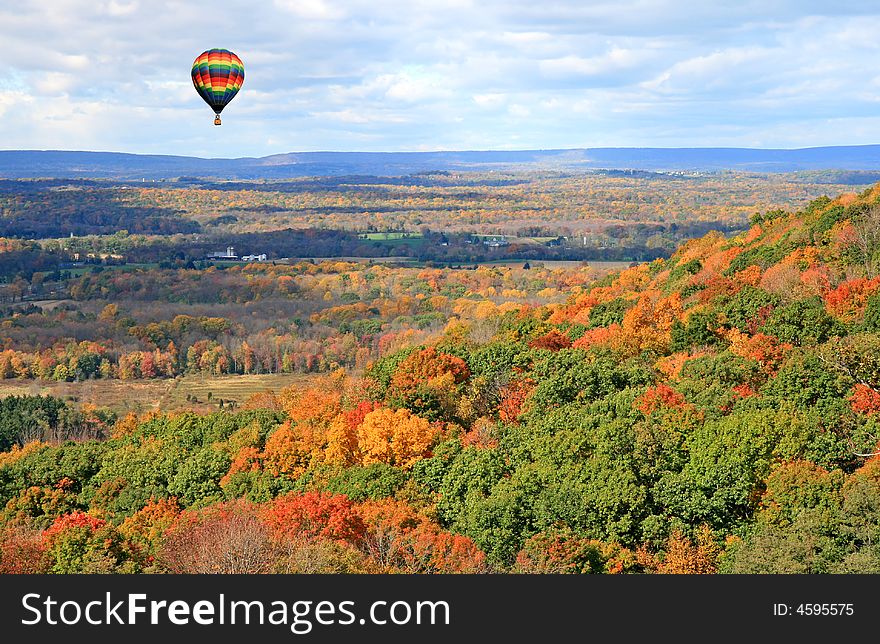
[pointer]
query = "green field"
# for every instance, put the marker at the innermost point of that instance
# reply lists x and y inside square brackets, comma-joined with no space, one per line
[393,238]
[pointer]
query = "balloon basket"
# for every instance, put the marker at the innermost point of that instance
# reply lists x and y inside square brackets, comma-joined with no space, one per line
[217,120]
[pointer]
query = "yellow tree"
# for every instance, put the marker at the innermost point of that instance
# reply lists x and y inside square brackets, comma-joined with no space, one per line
[395,437]
[683,557]
[648,324]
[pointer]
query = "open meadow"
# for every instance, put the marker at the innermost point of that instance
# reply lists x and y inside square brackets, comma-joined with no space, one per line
[196,392]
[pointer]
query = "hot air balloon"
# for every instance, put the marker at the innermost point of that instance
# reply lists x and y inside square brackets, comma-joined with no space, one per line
[217,75]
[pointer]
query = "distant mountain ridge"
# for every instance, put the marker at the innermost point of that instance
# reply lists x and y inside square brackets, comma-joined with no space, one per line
[117,165]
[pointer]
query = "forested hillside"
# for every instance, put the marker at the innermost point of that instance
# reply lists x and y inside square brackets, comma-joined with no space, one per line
[717,411]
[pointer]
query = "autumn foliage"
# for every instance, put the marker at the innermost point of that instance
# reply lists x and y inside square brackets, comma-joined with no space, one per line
[849,299]
[565,553]
[686,557]
[395,437]
[657,397]
[513,397]
[397,537]
[314,515]
[865,399]
[713,411]
[553,340]
[22,551]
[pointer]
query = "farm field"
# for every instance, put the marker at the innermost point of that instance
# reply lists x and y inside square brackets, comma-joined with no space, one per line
[196,392]
[204,393]
[118,396]
[392,237]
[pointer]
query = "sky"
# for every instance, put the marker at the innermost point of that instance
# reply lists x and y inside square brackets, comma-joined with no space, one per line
[416,75]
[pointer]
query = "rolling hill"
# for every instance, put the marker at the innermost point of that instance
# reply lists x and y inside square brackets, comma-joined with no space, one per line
[66,164]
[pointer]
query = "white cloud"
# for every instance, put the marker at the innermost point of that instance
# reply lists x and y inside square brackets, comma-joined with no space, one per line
[16,100]
[311,9]
[719,67]
[430,74]
[344,116]
[411,88]
[491,100]
[118,9]
[615,60]
[53,83]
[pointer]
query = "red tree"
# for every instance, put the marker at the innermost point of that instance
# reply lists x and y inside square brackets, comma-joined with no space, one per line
[658,397]
[315,515]
[553,340]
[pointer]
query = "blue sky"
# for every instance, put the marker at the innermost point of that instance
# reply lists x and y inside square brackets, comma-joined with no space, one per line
[440,75]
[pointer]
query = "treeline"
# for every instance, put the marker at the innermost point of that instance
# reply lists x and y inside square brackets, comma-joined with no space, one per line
[630,244]
[303,317]
[44,209]
[26,419]
[451,202]
[20,259]
[277,354]
[481,203]
[52,261]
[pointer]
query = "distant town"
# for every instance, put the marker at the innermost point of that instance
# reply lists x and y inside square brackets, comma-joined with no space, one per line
[230,256]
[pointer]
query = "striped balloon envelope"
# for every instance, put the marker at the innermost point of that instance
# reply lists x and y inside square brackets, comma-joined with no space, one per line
[217,75]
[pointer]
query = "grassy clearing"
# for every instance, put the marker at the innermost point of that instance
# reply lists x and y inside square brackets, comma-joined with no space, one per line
[400,236]
[123,396]
[226,388]
[538,240]
[119,395]
[49,305]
